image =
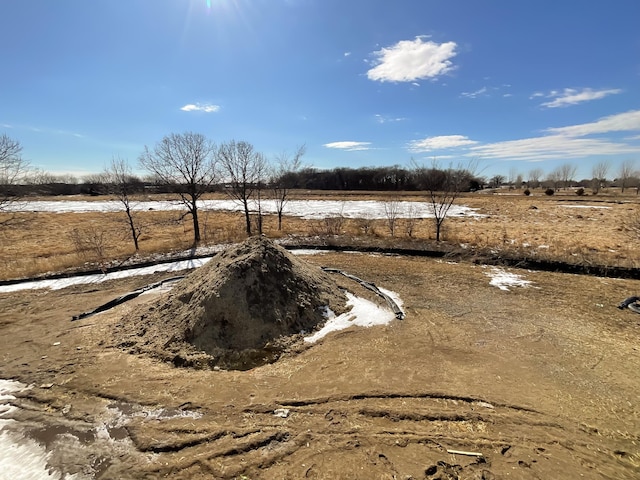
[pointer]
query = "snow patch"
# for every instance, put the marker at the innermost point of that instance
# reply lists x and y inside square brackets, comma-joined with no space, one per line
[59,283]
[584,206]
[503,280]
[362,314]
[308,209]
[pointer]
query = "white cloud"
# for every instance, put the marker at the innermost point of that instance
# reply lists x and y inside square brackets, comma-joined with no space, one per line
[566,142]
[620,122]
[570,96]
[200,107]
[550,147]
[386,119]
[410,60]
[347,54]
[348,146]
[441,142]
[476,94]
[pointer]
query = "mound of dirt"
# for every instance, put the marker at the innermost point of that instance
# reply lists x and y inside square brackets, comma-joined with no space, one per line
[242,309]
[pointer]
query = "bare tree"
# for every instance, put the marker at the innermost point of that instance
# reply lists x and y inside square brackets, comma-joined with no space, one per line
[599,175]
[186,161]
[12,168]
[121,181]
[282,175]
[497,181]
[515,178]
[555,178]
[625,173]
[567,171]
[391,212]
[243,169]
[534,176]
[443,187]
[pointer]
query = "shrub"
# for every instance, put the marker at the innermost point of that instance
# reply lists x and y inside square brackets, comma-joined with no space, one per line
[549,191]
[580,192]
[527,192]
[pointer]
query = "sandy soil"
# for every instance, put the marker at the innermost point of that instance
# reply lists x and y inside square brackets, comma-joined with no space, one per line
[541,381]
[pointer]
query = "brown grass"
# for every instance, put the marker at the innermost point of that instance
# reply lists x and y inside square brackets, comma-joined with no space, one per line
[537,226]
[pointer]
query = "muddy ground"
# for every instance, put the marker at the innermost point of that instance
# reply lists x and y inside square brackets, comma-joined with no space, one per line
[541,381]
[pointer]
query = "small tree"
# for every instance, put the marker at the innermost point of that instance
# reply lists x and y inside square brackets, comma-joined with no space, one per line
[282,176]
[555,178]
[625,173]
[534,176]
[391,212]
[12,168]
[599,174]
[566,173]
[443,187]
[121,182]
[187,162]
[243,169]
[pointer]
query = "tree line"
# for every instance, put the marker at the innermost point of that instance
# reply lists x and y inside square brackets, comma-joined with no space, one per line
[190,165]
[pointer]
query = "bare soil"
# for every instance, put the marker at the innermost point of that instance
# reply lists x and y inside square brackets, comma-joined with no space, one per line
[240,310]
[541,381]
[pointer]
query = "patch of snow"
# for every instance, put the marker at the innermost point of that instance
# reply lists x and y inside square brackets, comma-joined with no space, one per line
[21,458]
[362,314]
[308,209]
[584,206]
[307,251]
[503,280]
[59,283]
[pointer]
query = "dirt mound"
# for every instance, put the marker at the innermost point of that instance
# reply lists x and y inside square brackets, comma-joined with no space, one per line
[244,308]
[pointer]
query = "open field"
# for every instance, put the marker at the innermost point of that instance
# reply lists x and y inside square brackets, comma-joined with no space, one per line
[580,230]
[540,380]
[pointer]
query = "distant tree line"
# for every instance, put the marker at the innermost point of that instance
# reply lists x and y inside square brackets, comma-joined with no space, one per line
[341,178]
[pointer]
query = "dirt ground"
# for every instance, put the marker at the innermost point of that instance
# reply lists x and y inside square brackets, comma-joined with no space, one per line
[542,381]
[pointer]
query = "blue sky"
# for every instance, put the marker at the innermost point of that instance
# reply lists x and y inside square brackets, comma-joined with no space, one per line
[515,85]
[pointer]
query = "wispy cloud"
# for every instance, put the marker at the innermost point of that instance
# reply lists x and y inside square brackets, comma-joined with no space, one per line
[567,142]
[480,92]
[430,144]
[620,122]
[571,96]
[388,119]
[200,107]
[550,147]
[348,146]
[411,60]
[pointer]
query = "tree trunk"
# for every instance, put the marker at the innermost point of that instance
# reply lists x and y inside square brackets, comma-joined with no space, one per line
[247,217]
[279,220]
[133,228]
[196,224]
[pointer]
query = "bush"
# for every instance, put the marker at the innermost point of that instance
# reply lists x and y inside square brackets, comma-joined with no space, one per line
[527,192]
[549,191]
[580,192]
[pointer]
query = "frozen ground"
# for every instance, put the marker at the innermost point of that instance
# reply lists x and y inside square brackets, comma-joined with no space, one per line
[21,458]
[308,209]
[362,314]
[503,280]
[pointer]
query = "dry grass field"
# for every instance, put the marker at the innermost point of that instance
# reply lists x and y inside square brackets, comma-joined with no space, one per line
[587,230]
[538,381]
